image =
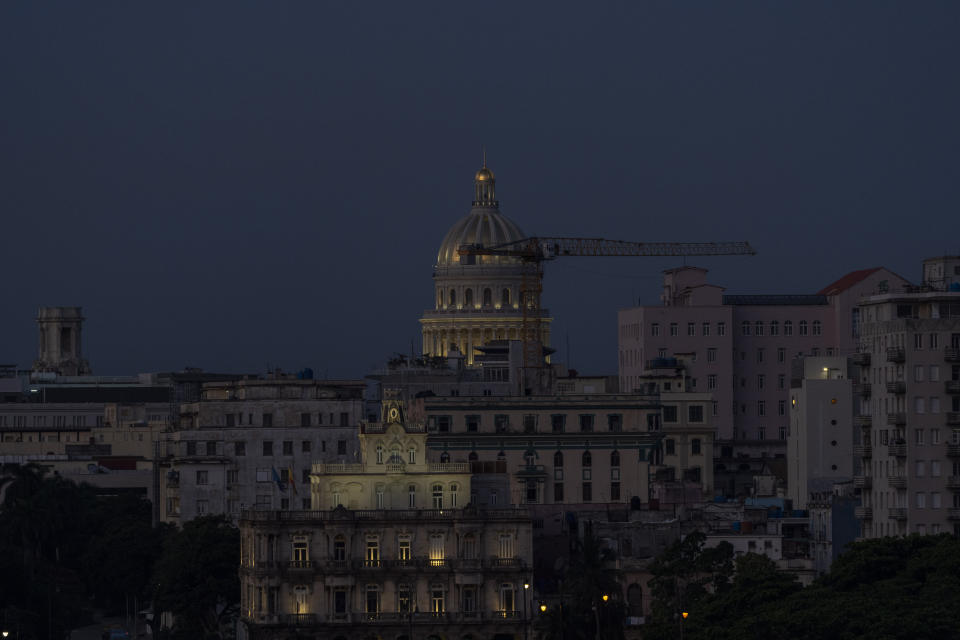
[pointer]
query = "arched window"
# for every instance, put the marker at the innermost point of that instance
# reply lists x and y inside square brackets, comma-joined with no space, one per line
[817,327]
[453,298]
[412,496]
[774,329]
[473,457]
[586,460]
[379,454]
[803,327]
[745,327]
[412,456]
[487,297]
[634,600]
[788,327]
[505,297]
[501,456]
[468,298]
[453,495]
[558,459]
[437,491]
[615,459]
[339,548]
[444,457]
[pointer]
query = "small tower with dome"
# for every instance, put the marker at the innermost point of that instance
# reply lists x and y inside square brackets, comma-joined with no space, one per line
[477,299]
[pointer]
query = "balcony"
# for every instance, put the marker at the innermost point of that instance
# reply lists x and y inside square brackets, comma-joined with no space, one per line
[299,619]
[863,421]
[897,482]
[863,451]
[898,513]
[953,483]
[863,513]
[300,565]
[951,354]
[862,482]
[896,355]
[897,419]
[899,387]
[951,386]
[862,388]
[953,418]
[898,450]
[861,359]
[953,514]
[953,450]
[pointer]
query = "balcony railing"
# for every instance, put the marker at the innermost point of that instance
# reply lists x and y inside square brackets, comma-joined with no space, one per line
[953,418]
[951,354]
[863,513]
[861,359]
[898,450]
[299,619]
[951,386]
[863,451]
[897,419]
[898,513]
[376,618]
[897,482]
[300,564]
[895,355]
[863,421]
[862,388]
[953,483]
[898,387]
[504,513]
[449,467]
[862,482]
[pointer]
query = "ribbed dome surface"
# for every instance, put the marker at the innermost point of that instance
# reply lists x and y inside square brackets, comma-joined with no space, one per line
[483,225]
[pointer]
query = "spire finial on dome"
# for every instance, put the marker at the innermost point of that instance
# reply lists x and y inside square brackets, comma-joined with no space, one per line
[483,185]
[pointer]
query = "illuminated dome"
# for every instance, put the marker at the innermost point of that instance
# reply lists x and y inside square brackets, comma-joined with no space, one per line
[480,226]
[483,225]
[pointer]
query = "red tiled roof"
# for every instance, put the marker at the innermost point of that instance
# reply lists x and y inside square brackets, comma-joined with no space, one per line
[846,281]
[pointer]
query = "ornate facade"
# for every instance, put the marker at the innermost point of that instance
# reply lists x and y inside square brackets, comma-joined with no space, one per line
[390,551]
[477,298]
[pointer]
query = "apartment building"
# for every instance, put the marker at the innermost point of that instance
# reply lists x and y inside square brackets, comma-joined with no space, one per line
[250,443]
[820,441]
[740,347]
[909,411]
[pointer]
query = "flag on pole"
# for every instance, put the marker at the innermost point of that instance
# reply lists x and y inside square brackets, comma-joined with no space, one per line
[276,478]
[293,484]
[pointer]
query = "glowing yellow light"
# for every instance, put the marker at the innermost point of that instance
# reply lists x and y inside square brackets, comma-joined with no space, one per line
[543,608]
[605,597]
[684,614]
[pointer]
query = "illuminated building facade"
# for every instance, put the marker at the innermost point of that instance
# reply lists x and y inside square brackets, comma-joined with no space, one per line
[391,549]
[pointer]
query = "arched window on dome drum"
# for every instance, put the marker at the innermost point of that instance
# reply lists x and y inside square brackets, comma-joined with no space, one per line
[453,298]
[487,297]
[505,297]
[468,298]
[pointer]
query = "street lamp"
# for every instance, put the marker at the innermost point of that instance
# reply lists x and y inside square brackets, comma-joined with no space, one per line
[6,633]
[596,613]
[543,608]
[526,621]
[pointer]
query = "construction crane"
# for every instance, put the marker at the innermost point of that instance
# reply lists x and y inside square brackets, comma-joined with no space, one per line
[534,251]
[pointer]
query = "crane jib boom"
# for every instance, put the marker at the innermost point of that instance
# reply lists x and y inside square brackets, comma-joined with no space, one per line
[538,249]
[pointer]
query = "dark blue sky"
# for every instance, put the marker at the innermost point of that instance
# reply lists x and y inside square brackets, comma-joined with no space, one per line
[232,184]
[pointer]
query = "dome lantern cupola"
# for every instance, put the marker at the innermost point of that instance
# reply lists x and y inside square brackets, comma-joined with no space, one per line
[484,188]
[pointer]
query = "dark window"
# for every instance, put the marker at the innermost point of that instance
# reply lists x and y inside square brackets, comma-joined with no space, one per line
[443,423]
[587,492]
[230,419]
[586,460]
[530,423]
[695,446]
[304,419]
[344,419]
[305,446]
[558,422]
[501,423]
[191,448]
[586,422]
[473,424]
[211,448]
[305,479]
[239,448]
[267,448]
[615,459]
[268,419]
[558,492]
[558,459]
[669,414]
[615,422]
[341,447]
[614,490]
[670,447]
[695,413]
[288,447]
